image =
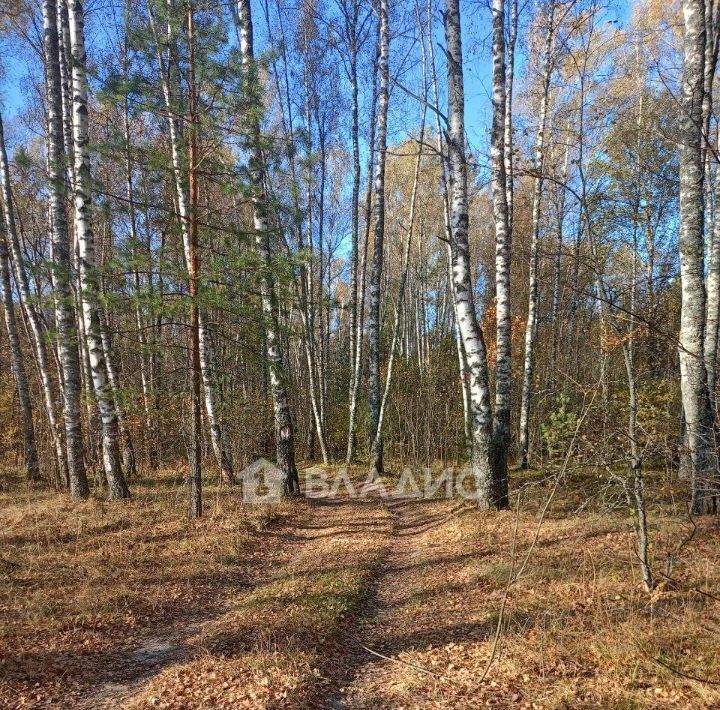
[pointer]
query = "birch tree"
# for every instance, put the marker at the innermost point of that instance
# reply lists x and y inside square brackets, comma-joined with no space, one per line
[36,328]
[408,241]
[374,392]
[61,263]
[531,325]
[503,238]
[284,428]
[463,291]
[362,266]
[17,365]
[693,375]
[88,279]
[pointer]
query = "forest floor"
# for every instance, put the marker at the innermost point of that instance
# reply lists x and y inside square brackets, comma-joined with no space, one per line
[354,603]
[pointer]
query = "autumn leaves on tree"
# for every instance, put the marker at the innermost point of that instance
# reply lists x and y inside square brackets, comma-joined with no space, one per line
[282,232]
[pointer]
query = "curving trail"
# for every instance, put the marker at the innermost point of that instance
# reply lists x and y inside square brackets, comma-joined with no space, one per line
[416,564]
[343,594]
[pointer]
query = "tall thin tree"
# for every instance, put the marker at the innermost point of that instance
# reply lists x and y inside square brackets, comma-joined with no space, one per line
[503,238]
[61,264]
[17,364]
[284,427]
[463,292]
[374,391]
[693,375]
[88,278]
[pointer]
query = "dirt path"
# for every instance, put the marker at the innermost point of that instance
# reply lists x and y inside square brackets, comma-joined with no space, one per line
[418,561]
[342,594]
[314,574]
[123,675]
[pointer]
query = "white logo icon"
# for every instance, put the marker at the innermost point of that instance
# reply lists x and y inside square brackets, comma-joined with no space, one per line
[262,482]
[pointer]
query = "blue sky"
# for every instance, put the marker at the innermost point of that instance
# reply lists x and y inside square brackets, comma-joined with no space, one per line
[476,48]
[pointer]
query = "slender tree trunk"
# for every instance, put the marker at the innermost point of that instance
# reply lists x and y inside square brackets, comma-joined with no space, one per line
[503,367]
[406,249]
[638,482]
[32,467]
[464,379]
[284,430]
[463,292]
[222,455]
[64,311]
[531,325]
[127,449]
[508,122]
[712,318]
[308,302]
[355,385]
[352,38]
[36,328]
[555,308]
[217,433]
[145,378]
[693,375]
[193,268]
[89,286]
[374,394]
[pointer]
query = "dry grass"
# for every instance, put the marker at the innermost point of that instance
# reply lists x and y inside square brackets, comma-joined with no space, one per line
[271,607]
[577,631]
[81,580]
[271,647]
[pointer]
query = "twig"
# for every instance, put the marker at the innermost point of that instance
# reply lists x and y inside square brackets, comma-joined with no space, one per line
[513,577]
[396,660]
[685,675]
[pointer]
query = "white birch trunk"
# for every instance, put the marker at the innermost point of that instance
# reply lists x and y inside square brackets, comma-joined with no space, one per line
[508,122]
[463,292]
[127,449]
[139,319]
[64,311]
[89,285]
[406,250]
[284,429]
[503,237]
[359,326]
[693,375]
[37,332]
[376,274]
[531,325]
[17,365]
[712,319]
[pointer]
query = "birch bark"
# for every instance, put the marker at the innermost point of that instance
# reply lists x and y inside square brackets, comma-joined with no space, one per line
[503,238]
[531,325]
[88,280]
[17,365]
[284,429]
[64,311]
[360,322]
[693,375]
[374,394]
[467,322]
[37,332]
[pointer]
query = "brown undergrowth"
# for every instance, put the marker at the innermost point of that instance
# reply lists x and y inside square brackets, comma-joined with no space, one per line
[577,630]
[355,603]
[85,583]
